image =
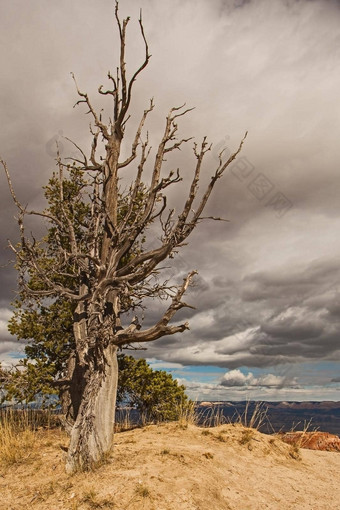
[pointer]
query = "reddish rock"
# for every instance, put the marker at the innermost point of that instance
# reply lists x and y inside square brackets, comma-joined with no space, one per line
[313,440]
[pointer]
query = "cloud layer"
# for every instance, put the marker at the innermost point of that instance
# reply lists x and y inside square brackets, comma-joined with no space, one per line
[268,295]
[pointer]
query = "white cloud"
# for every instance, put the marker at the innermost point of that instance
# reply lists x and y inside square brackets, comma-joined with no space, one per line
[157,364]
[237,378]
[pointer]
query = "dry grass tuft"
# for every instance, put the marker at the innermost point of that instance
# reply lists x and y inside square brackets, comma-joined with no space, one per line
[142,491]
[93,500]
[254,420]
[294,452]
[247,436]
[166,451]
[221,437]
[123,420]
[214,417]
[187,414]
[17,439]
[299,442]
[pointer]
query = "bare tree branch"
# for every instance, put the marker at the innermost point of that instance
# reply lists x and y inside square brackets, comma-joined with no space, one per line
[161,328]
[86,100]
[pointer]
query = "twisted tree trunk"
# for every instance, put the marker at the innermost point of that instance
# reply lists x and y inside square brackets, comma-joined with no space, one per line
[71,392]
[92,433]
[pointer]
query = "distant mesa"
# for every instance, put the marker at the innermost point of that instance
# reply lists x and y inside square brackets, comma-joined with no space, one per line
[283,416]
[212,404]
[322,441]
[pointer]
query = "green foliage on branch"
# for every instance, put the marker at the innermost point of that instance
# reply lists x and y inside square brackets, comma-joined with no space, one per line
[156,395]
[48,331]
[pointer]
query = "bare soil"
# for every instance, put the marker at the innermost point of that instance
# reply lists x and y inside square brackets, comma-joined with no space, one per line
[170,467]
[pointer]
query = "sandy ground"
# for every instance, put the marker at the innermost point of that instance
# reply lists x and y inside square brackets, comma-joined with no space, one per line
[173,468]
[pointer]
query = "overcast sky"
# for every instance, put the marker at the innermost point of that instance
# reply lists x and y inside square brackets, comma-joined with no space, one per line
[267,297]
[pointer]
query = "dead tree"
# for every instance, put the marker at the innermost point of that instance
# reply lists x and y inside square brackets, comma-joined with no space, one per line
[100,262]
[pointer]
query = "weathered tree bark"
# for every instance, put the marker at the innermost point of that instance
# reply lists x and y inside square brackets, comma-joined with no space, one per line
[92,433]
[71,391]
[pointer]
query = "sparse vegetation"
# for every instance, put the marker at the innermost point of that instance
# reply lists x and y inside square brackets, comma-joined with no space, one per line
[142,490]
[150,466]
[294,451]
[213,418]
[297,439]
[93,500]
[30,418]
[247,436]
[187,413]
[123,419]
[254,420]
[166,451]
[17,439]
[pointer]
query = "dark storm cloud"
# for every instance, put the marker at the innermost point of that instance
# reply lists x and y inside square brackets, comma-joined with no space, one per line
[267,291]
[294,321]
[8,283]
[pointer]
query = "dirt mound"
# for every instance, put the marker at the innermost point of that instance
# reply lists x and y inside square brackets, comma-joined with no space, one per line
[169,467]
[322,441]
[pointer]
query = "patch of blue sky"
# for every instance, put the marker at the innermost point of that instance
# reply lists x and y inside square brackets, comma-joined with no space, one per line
[17,355]
[202,373]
